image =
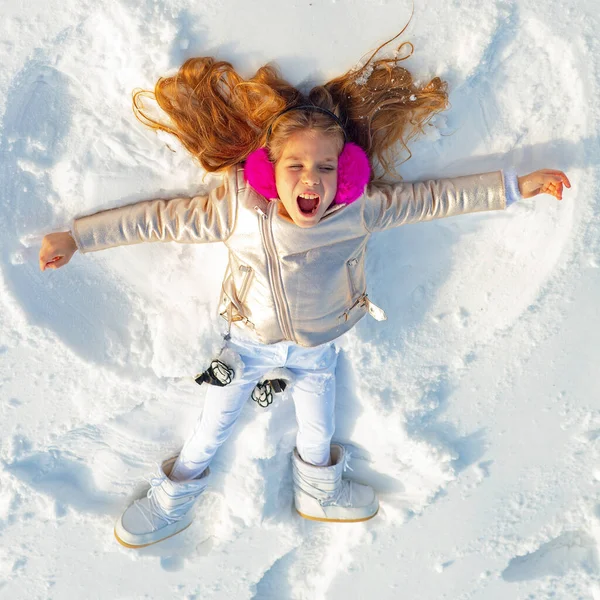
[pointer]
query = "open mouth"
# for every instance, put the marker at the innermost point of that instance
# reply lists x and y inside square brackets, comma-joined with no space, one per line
[308,206]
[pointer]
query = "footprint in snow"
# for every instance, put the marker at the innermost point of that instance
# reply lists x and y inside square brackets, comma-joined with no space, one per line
[573,550]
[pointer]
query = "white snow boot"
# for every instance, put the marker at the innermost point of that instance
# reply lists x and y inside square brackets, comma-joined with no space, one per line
[320,493]
[166,509]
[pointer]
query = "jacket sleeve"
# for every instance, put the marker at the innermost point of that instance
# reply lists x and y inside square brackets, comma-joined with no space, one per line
[390,205]
[201,219]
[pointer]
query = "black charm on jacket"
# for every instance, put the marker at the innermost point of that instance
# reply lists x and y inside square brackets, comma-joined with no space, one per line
[217,374]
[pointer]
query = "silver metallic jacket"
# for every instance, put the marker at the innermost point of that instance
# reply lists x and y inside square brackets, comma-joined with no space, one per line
[284,282]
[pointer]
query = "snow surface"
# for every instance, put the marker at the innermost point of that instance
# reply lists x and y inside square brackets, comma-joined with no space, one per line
[473,410]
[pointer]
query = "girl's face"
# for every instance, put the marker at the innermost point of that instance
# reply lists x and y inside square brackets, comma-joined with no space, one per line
[306,176]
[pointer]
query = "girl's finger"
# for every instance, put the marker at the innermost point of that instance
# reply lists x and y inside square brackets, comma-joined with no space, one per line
[547,190]
[560,174]
[555,190]
[551,178]
[57,261]
[56,264]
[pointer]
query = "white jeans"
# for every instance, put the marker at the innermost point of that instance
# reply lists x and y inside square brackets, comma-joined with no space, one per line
[313,391]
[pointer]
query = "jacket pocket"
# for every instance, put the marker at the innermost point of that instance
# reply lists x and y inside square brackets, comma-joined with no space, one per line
[359,303]
[356,276]
[358,291]
[248,273]
[234,295]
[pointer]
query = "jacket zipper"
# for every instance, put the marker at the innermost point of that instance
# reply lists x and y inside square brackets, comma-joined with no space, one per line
[274,272]
[363,300]
[349,264]
[360,301]
[226,299]
[245,282]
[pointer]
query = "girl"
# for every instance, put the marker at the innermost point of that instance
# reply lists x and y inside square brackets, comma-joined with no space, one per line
[298,203]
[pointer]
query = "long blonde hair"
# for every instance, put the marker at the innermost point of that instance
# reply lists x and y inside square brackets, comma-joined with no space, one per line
[220,118]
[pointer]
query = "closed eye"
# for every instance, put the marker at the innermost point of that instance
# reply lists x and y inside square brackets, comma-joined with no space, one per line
[322,168]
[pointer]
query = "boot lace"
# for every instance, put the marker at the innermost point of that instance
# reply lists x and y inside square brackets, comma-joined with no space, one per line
[154,513]
[343,494]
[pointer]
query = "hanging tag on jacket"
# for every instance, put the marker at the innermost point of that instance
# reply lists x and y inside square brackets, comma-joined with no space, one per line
[377,313]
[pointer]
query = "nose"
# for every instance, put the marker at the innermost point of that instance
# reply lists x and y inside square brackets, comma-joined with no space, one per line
[310,177]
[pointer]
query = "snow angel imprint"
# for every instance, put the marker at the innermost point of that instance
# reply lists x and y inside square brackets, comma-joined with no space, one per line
[307,179]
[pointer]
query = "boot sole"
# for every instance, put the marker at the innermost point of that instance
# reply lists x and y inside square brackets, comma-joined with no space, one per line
[323,519]
[151,543]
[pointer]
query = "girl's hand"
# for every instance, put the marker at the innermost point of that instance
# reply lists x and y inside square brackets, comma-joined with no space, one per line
[57,250]
[545,181]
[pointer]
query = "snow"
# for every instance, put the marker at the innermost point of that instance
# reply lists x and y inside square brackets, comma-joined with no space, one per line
[473,410]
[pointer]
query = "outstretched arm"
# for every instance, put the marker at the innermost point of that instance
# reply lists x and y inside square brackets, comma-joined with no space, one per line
[391,205]
[201,219]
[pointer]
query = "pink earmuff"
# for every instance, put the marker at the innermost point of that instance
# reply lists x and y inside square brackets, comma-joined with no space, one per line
[354,172]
